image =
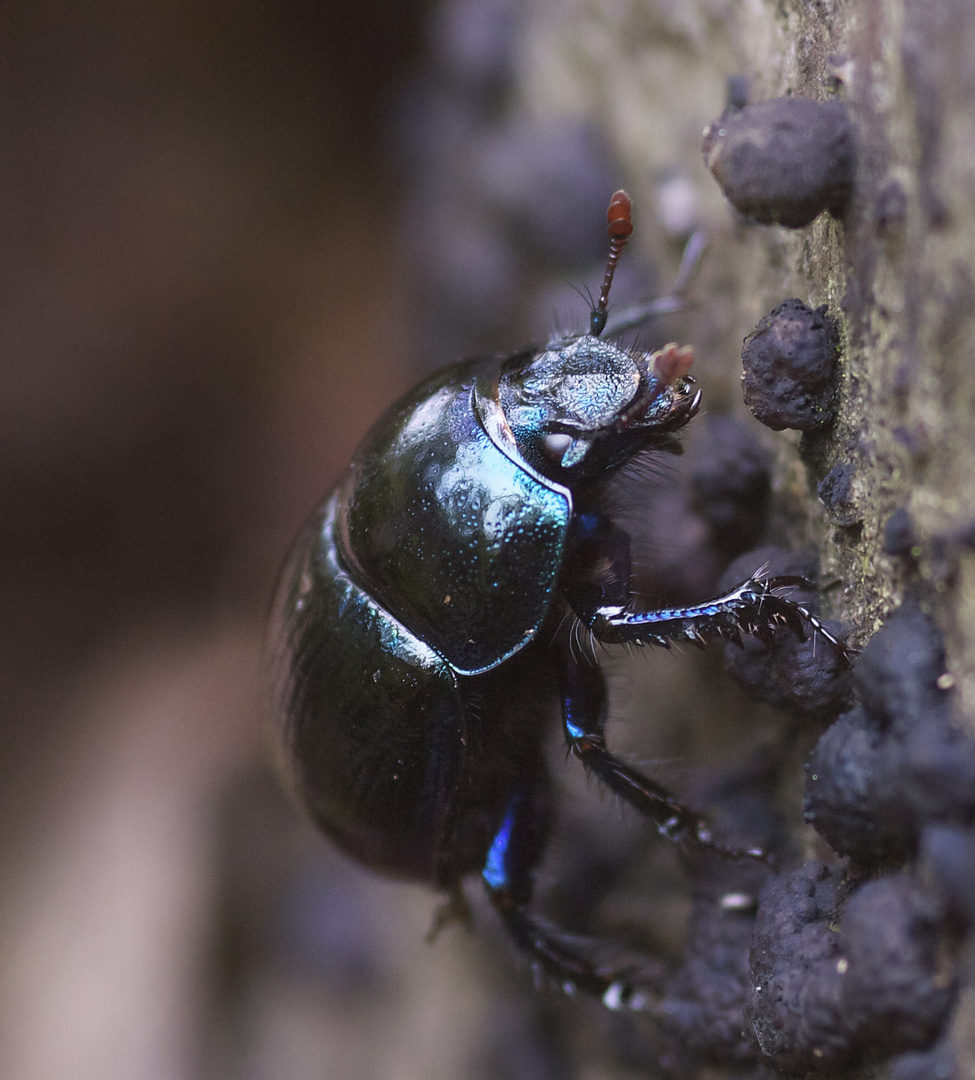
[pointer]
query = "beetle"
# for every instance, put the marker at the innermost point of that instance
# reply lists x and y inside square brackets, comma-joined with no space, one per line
[421,633]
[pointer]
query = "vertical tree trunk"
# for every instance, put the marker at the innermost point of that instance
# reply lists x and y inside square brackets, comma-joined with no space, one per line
[896,270]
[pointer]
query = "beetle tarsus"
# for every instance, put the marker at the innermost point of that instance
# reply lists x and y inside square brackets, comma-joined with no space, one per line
[755,607]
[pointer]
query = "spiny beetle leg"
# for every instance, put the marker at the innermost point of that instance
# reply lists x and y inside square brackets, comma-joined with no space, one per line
[755,607]
[569,960]
[584,722]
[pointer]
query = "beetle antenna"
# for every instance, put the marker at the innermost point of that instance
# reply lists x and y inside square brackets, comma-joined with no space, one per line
[618,226]
[638,314]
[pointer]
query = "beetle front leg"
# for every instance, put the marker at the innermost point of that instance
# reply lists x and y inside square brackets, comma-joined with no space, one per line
[596,582]
[584,723]
[755,607]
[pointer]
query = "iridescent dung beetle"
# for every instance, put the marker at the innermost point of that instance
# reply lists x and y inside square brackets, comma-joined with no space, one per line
[421,633]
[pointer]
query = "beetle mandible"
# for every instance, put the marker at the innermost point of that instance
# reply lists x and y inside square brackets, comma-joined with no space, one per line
[422,615]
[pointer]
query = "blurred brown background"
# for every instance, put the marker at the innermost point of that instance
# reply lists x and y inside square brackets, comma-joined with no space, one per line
[200,313]
[231,235]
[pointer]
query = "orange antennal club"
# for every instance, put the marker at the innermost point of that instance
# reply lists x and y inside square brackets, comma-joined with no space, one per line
[619,225]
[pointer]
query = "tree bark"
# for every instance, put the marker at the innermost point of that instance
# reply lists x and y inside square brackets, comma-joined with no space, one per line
[896,269]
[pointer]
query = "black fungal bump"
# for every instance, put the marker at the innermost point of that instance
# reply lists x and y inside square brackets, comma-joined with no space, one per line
[851,793]
[805,678]
[839,982]
[705,997]
[713,505]
[937,1063]
[897,762]
[947,853]
[898,674]
[791,946]
[784,161]
[789,368]
[835,491]
[897,993]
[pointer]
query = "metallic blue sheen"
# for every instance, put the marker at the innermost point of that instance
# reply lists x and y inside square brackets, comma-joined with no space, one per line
[353,671]
[495,871]
[456,538]
[410,662]
[573,730]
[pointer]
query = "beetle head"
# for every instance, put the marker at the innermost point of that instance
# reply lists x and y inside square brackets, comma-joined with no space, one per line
[585,405]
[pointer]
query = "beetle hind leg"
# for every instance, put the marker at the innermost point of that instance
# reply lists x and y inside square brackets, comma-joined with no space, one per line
[571,961]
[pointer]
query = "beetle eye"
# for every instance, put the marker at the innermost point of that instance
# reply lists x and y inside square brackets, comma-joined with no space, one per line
[565,450]
[555,445]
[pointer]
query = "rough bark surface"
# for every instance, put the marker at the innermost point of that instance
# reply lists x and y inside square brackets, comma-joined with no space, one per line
[896,270]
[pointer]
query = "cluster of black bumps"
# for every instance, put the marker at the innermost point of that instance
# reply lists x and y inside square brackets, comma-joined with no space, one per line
[850,964]
[855,964]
